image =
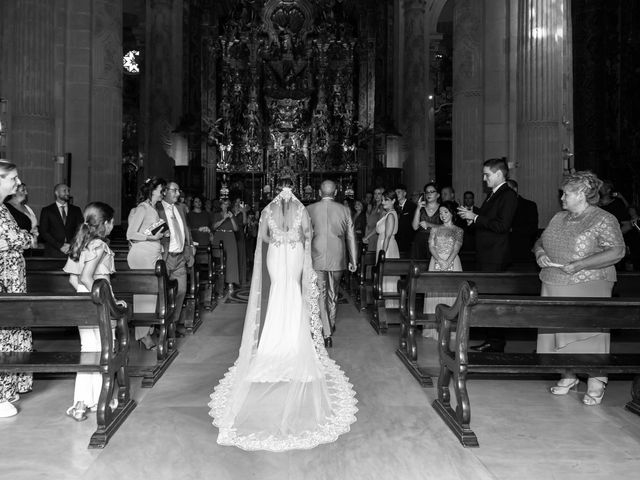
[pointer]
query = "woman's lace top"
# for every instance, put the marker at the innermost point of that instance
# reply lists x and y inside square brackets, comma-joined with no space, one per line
[568,238]
[278,235]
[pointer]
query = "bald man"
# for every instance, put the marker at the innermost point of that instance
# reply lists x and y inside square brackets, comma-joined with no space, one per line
[333,233]
[59,223]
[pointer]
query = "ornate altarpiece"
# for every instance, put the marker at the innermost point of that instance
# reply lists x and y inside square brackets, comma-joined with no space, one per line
[284,94]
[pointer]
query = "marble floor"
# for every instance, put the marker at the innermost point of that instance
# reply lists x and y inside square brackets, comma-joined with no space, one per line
[524,432]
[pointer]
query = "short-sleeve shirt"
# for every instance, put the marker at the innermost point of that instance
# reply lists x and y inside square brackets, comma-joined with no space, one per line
[93,249]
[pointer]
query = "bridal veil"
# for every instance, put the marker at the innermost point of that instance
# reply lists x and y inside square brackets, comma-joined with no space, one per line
[283,392]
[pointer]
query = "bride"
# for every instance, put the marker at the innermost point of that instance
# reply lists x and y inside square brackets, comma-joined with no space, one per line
[283,392]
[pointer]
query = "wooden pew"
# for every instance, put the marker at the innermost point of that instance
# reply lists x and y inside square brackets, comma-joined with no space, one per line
[382,317]
[366,263]
[421,281]
[219,268]
[207,272]
[472,309]
[190,315]
[125,284]
[97,308]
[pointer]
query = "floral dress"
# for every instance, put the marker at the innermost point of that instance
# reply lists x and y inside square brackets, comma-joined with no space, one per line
[12,280]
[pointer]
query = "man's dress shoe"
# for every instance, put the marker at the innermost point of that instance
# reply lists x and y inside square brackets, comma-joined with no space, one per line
[487,347]
[328,342]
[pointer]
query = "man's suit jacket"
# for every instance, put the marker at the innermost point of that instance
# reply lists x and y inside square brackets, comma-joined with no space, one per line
[492,226]
[524,229]
[165,241]
[53,232]
[405,234]
[333,233]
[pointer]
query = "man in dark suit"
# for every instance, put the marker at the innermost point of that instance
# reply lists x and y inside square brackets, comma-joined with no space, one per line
[469,240]
[492,226]
[405,208]
[524,230]
[333,236]
[59,223]
[177,248]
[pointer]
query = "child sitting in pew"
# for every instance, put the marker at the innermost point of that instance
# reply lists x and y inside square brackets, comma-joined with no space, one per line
[90,258]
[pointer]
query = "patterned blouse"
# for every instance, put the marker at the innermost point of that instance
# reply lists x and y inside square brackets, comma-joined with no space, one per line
[12,266]
[567,239]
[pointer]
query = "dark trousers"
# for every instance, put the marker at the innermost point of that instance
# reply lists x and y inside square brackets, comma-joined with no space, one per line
[494,336]
[328,284]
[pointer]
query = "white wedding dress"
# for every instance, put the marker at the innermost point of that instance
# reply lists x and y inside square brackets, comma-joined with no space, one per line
[283,392]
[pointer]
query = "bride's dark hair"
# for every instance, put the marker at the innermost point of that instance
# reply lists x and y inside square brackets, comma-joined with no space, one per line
[284,182]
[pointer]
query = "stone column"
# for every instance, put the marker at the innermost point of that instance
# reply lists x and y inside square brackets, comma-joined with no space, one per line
[105,168]
[162,84]
[468,98]
[28,70]
[418,160]
[543,112]
[208,105]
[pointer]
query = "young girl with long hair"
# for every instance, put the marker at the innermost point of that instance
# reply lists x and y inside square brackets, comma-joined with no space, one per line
[90,258]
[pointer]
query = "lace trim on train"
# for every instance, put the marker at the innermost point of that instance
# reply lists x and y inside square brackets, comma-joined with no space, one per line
[343,402]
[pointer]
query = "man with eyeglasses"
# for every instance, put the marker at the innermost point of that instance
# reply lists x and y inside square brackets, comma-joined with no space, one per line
[177,251]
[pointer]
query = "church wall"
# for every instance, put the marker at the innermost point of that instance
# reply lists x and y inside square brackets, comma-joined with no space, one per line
[62,63]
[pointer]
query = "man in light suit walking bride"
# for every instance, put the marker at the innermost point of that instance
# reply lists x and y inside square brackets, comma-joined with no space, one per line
[333,233]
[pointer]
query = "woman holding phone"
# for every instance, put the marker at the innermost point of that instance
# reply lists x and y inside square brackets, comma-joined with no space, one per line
[425,218]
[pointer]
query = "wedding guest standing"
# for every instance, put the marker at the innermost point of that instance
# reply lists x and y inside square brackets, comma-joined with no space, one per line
[13,241]
[90,258]
[374,213]
[577,253]
[492,227]
[144,246]
[406,209]
[22,213]
[445,242]
[240,211]
[199,222]
[425,218]
[224,228]
[59,223]
[359,221]
[387,228]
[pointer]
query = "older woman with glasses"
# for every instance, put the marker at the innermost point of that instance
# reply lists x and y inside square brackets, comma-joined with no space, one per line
[424,219]
[577,253]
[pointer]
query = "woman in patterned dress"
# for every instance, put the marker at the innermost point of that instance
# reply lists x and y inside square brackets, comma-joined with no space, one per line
[13,241]
[577,254]
[445,242]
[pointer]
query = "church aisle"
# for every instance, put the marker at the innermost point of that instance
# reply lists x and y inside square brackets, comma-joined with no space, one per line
[397,434]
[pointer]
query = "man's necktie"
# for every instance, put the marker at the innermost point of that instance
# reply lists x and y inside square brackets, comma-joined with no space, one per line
[63,213]
[176,228]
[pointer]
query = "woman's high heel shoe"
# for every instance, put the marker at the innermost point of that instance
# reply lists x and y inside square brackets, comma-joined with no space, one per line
[564,385]
[594,396]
